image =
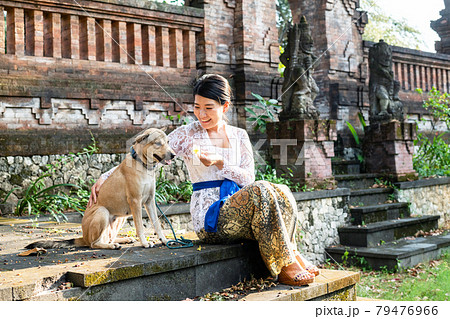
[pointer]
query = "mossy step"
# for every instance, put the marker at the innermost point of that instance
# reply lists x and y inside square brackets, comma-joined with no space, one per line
[401,254]
[373,234]
[332,285]
[369,196]
[376,213]
[135,273]
[356,181]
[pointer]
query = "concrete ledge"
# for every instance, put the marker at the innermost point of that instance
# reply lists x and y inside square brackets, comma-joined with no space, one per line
[423,183]
[329,285]
[405,253]
[339,192]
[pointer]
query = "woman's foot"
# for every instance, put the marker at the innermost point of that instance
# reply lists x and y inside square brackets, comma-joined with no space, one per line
[306,264]
[294,275]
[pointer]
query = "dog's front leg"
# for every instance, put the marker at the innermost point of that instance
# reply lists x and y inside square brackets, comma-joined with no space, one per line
[136,211]
[150,208]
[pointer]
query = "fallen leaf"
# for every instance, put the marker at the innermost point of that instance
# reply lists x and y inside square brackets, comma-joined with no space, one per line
[33,252]
[199,248]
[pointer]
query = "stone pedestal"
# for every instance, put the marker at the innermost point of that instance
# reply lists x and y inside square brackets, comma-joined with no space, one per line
[388,149]
[302,149]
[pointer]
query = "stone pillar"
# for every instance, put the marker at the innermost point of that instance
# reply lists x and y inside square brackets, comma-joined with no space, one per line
[88,43]
[15,31]
[388,149]
[119,42]
[240,41]
[340,72]
[2,34]
[134,43]
[107,38]
[34,24]
[304,148]
[162,46]
[189,58]
[176,48]
[442,27]
[52,35]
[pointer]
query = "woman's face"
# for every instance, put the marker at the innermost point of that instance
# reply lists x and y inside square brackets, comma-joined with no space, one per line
[209,112]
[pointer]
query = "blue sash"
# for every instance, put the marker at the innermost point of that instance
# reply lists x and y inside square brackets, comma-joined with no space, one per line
[227,188]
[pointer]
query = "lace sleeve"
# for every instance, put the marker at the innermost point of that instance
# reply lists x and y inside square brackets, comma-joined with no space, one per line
[180,140]
[244,173]
[107,174]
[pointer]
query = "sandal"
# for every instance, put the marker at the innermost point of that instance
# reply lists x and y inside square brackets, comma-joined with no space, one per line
[310,268]
[294,275]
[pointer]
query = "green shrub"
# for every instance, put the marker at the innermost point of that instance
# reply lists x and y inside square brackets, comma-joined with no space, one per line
[432,156]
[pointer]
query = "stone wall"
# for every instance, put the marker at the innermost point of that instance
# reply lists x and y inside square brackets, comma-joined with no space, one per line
[427,197]
[320,215]
[21,171]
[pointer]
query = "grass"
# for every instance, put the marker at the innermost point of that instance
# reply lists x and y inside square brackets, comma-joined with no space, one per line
[426,282]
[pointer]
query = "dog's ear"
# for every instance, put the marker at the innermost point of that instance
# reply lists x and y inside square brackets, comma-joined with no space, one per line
[141,137]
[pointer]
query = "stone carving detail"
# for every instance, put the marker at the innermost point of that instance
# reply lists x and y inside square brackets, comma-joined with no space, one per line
[299,88]
[230,3]
[350,6]
[385,104]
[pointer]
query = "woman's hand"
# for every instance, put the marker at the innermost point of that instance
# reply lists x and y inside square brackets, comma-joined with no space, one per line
[94,192]
[209,159]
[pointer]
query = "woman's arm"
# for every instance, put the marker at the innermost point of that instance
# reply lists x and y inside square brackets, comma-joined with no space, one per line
[244,173]
[96,187]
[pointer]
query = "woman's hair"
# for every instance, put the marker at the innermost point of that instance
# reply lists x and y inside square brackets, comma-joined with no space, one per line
[214,87]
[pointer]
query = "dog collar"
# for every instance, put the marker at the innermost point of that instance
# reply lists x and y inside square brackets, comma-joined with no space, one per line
[135,156]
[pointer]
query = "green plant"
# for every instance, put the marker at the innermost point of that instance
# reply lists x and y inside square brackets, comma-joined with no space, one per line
[167,191]
[266,109]
[359,155]
[438,105]
[345,257]
[56,199]
[178,119]
[38,199]
[8,194]
[432,156]
[268,173]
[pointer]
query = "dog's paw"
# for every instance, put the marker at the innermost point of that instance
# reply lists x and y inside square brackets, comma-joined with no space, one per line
[148,245]
[164,240]
[130,240]
[117,246]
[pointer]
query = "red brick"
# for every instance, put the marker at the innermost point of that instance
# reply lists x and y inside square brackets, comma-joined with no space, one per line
[2,34]
[15,32]
[87,44]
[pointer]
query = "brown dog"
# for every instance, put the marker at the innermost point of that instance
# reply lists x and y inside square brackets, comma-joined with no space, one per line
[130,186]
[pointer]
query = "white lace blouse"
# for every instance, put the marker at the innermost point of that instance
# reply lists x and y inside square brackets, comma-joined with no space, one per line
[238,163]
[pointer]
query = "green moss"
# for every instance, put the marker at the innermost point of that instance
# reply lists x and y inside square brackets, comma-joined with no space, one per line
[112,275]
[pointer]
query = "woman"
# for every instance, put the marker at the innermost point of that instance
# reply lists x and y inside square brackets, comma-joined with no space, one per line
[227,204]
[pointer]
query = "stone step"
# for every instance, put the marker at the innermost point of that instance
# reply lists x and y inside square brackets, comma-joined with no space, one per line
[330,285]
[402,254]
[376,213]
[340,167]
[356,181]
[370,196]
[134,273]
[160,273]
[372,235]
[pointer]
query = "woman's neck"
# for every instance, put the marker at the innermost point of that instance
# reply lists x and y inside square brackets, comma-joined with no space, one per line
[219,128]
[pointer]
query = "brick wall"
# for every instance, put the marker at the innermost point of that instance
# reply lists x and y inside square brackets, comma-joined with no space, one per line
[123,65]
[104,65]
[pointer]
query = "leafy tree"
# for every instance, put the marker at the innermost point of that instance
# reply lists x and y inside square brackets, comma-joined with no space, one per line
[383,26]
[284,20]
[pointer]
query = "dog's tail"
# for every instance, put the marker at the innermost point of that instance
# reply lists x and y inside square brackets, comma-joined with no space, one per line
[49,244]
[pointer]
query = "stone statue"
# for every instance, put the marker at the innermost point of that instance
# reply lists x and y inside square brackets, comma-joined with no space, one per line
[299,88]
[385,104]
